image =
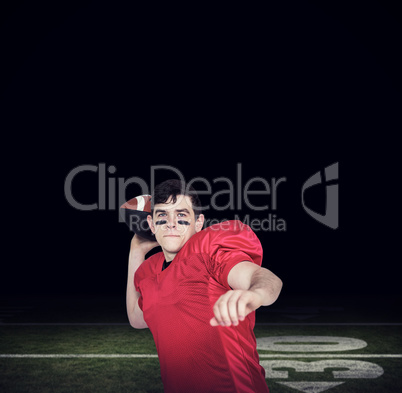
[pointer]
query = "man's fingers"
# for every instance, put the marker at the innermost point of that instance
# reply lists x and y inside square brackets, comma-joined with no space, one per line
[231,308]
[221,310]
[242,304]
[217,314]
[241,308]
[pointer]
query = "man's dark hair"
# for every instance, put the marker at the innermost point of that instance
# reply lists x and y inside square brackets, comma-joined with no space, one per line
[173,188]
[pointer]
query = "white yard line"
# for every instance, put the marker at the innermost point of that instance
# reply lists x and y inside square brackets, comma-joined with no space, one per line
[265,356]
[140,356]
[64,324]
[76,355]
[257,324]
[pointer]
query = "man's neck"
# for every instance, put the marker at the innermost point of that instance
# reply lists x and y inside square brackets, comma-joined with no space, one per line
[169,256]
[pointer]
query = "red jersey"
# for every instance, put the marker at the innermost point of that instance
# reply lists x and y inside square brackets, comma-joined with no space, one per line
[177,305]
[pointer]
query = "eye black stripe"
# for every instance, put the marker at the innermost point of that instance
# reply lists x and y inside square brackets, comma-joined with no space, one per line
[181,222]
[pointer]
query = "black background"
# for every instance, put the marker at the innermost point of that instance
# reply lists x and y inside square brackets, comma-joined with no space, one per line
[284,91]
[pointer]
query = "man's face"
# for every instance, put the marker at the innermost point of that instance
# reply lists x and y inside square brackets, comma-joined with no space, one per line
[174,223]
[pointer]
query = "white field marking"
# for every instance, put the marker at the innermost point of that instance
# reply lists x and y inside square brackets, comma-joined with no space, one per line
[355,368]
[262,356]
[76,355]
[257,324]
[65,324]
[304,344]
[265,356]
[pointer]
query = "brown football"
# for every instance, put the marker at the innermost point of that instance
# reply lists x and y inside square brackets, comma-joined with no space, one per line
[134,212]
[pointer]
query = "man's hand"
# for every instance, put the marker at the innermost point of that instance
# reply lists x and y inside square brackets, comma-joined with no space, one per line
[253,286]
[141,245]
[234,306]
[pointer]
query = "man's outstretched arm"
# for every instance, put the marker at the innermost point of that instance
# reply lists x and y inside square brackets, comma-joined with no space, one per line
[252,286]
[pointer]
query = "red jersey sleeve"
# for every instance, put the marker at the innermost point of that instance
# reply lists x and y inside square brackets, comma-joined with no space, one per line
[232,242]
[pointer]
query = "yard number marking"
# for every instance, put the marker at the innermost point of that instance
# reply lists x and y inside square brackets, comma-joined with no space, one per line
[354,368]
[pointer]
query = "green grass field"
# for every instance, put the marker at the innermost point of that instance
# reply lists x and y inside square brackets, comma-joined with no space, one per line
[87,346]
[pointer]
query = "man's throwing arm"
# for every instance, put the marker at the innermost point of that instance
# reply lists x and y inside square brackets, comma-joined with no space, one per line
[138,249]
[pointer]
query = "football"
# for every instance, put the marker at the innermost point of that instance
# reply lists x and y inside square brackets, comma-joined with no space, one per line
[134,213]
